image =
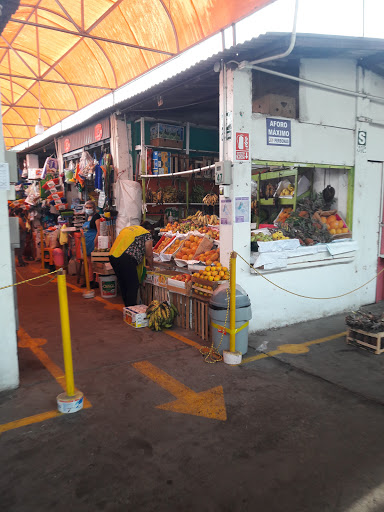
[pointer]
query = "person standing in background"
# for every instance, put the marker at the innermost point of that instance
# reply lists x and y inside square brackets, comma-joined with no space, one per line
[129,254]
[91,229]
[23,236]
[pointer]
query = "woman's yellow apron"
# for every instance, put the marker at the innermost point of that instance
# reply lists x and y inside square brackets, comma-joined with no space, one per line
[124,240]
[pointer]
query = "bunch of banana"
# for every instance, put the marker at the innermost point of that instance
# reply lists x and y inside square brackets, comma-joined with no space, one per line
[170,195]
[160,315]
[160,196]
[199,219]
[287,191]
[211,199]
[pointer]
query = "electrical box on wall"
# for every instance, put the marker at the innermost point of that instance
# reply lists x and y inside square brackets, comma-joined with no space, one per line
[223,173]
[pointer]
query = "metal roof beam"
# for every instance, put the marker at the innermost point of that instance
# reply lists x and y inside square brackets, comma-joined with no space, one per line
[24,77]
[14,106]
[89,36]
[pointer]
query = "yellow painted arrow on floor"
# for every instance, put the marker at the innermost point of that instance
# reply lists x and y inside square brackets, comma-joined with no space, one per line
[209,404]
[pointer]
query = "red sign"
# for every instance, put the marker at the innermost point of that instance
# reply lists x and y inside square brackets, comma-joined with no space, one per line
[67,145]
[242,146]
[98,132]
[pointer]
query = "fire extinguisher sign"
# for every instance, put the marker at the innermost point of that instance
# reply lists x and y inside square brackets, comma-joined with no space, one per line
[242,146]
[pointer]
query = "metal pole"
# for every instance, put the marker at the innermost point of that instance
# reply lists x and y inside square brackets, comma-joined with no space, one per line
[66,334]
[43,269]
[85,260]
[232,302]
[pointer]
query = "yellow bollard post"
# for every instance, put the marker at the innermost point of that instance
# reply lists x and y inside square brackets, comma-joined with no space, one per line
[88,294]
[232,356]
[232,302]
[71,400]
[43,269]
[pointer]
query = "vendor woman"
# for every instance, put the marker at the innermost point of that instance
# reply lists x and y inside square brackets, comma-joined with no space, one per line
[130,253]
[91,228]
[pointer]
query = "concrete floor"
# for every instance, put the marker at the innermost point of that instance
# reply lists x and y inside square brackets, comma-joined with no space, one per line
[302,434]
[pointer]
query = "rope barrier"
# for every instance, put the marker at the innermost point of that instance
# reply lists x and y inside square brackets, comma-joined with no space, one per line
[306,296]
[32,279]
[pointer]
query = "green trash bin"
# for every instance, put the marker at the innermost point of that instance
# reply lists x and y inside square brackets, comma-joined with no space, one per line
[218,311]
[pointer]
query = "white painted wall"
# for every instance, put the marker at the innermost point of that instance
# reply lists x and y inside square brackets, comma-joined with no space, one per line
[311,143]
[323,107]
[325,134]
[9,369]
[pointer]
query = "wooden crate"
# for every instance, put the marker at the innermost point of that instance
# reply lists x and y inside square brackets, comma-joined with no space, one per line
[101,257]
[197,286]
[200,318]
[160,293]
[151,292]
[146,293]
[371,340]
[182,303]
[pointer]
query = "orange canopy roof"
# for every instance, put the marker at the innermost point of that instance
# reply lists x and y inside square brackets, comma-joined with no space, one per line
[80,50]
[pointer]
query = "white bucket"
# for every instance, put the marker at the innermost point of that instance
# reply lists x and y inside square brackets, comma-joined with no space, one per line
[108,286]
[69,404]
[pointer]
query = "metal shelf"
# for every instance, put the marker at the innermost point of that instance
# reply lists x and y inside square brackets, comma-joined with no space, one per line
[164,204]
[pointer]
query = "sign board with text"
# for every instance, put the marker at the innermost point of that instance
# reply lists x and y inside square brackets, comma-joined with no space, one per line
[278,132]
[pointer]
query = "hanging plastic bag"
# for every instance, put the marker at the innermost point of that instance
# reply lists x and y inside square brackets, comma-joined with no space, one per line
[50,165]
[86,165]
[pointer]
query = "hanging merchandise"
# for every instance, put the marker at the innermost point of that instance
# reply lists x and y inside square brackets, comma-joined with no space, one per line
[86,165]
[33,194]
[98,177]
[51,165]
[79,179]
[69,173]
[24,174]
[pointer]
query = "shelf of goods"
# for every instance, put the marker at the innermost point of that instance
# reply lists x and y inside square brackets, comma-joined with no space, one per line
[179,280]
[276,195]
[170,154]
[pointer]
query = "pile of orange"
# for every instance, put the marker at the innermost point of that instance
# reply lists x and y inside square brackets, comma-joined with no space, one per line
[335,226]
[162,246]
[172,248]
[170,227]
[205,294]
[213,273]
[213,233]
[209,257]
[189,248]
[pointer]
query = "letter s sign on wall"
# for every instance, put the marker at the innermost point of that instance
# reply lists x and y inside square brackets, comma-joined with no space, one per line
[361,141]
[362,138]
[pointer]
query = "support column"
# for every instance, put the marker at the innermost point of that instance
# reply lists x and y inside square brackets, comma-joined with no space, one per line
[9,368]
[121,149]
[236,124]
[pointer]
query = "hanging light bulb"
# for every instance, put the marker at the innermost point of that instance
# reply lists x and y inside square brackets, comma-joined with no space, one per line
[39,128]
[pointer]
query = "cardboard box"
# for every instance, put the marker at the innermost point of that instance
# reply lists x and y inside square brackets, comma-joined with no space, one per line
[136,316]
[180,287]
[167,143]
[275,105]
[104,269]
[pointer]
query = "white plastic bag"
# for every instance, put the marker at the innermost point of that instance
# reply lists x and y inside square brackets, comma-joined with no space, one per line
[128,204]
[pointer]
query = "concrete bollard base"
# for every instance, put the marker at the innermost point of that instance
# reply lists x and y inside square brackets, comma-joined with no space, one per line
[69,404]
[232,358]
